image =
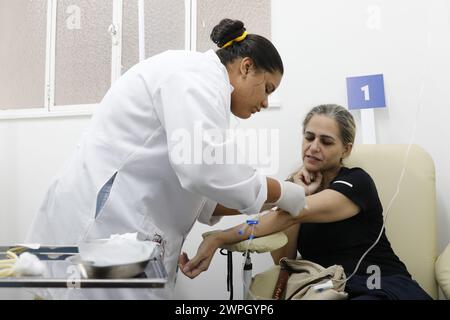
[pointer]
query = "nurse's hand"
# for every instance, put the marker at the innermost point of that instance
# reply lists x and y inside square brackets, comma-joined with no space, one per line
[193,267]
[311,181]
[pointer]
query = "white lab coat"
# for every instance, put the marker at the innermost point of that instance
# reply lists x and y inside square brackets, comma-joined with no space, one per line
[130,135]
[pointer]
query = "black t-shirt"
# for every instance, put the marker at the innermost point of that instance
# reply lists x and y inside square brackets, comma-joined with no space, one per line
[344,242]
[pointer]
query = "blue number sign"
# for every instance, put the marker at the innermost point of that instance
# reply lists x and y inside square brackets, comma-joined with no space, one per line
[366,92]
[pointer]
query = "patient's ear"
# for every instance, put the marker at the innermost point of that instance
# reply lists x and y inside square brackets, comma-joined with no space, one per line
[347,150]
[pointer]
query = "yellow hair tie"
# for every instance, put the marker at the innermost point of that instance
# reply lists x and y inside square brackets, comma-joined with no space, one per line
[238,39]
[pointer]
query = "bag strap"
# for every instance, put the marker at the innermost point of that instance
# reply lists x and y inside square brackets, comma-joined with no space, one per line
[283,277]
[229,255]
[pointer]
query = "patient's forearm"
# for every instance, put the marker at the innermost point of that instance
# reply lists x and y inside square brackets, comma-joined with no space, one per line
[220,210]
[272,222]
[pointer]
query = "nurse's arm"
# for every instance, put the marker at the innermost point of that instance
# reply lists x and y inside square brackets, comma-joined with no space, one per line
[322,207]
[273,194]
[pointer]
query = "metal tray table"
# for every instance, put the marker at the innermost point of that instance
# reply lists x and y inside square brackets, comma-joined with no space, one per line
[154,276]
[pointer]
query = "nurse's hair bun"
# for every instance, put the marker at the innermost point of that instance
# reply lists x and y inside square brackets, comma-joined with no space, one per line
[226,31]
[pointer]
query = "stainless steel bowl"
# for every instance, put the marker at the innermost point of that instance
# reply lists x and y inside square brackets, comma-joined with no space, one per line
[121,271]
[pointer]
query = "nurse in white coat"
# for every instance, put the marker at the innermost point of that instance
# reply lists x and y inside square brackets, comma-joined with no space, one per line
[126,174]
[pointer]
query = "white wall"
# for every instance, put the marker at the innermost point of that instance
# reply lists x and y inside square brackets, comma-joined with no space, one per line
[322,42]
[32,152]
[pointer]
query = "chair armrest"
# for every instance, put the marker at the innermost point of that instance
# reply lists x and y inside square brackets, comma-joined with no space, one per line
[442,268]
[267,243]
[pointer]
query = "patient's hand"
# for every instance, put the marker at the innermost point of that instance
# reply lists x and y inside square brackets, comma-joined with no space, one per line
[311,181]
[193,267]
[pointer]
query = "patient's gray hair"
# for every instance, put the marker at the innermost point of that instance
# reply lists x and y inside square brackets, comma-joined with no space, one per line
[343,117]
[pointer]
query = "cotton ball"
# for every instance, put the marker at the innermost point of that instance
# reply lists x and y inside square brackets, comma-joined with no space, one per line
[28,265]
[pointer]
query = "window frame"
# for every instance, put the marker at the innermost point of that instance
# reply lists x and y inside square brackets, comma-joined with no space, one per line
[49,109]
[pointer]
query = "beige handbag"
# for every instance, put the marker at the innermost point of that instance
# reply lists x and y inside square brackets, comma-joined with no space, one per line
[300,280]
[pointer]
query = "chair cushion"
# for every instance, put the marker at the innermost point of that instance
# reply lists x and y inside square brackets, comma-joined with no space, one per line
[412,214]
[443,271]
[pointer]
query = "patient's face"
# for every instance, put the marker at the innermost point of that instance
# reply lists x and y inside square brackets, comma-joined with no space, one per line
[322,147]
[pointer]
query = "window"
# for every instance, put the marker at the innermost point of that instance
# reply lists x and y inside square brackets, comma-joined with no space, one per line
[165,26]
[23,26]
[59,57]
[83,51]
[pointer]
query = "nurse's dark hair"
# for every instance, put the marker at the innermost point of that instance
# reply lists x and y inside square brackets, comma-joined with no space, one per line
[263,53]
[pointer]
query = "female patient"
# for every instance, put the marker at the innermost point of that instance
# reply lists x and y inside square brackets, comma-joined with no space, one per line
[342,219]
